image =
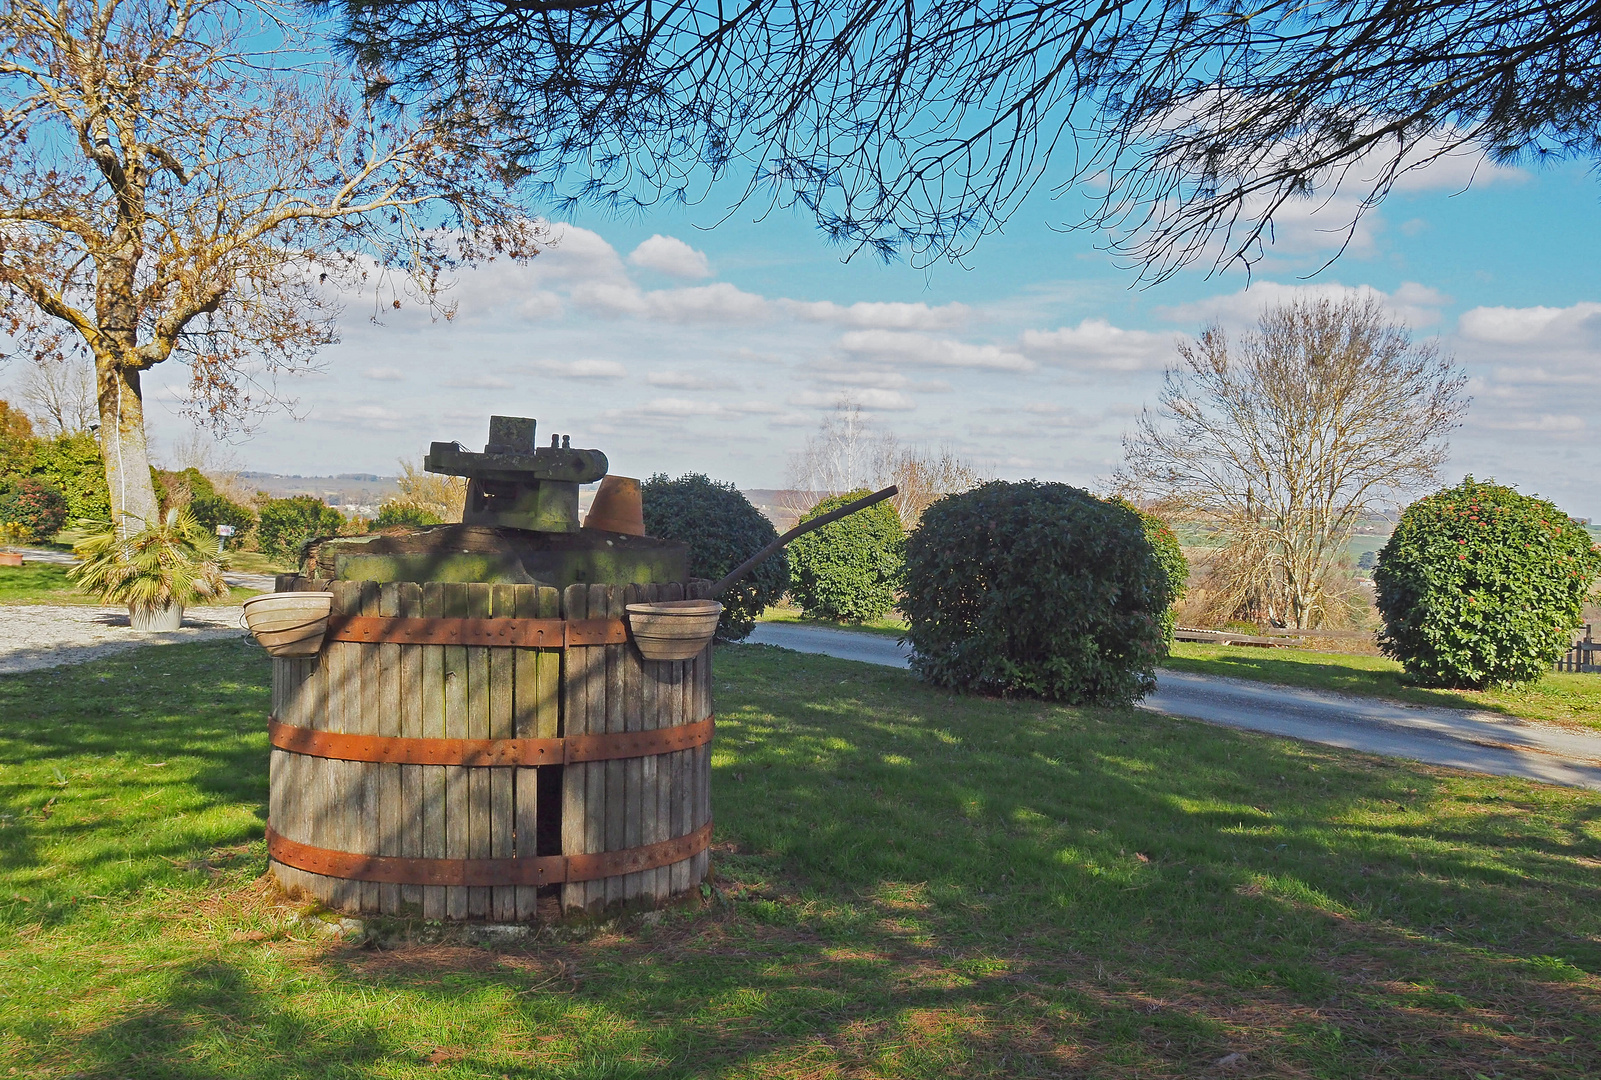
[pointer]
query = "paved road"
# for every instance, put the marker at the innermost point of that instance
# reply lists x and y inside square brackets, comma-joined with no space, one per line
[1477,742]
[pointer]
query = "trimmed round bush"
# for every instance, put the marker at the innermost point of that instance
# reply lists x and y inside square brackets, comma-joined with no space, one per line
[285,524]
[1036,589]
[1481,586]
[31,509]
[849,570]
[722,530]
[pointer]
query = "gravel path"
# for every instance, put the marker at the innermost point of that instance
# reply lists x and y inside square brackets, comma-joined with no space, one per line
[34,636]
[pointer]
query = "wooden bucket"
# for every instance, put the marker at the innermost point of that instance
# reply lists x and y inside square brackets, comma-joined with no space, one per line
[457,750]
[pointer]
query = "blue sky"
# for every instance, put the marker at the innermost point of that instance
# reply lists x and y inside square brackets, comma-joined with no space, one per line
[691,339]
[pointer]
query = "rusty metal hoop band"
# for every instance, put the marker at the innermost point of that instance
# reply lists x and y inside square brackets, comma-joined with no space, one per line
[406,750]
[526,870]
[502,632]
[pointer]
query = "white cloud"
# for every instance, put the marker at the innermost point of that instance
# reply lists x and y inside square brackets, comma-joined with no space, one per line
[881,316]
[384,374]
[1098,345]
[684,380]
[670,255]
[840,374]
[1566,328]
[896,347]
[371,417]
[871,399]
[717,303]
[1417,305]
[581,369]
[1549,423]
[479,382]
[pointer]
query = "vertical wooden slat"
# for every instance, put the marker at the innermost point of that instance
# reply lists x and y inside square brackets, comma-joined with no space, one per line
[655,778]
[435,787]
[408,600]
[525,725]
[613,826]
[670,770]
[386,721]
[502,814]
[595,784]
[702,590]
[574,719]
[550,661]
[678,873]
[633,768]
[479,841]
[365,773]
[458,837]
[337,823]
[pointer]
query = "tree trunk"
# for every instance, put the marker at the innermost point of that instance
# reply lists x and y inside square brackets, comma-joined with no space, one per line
[122,444]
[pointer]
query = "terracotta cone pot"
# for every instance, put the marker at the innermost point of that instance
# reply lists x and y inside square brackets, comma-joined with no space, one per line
[617,507]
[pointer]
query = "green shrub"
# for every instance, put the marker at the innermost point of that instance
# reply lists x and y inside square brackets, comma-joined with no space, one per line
[850,569]
[285,524]
[1481,586]
[1165,543]
[73,466]
[403,513]
[1036,589]
[722,530]
[191,487]
[30,509]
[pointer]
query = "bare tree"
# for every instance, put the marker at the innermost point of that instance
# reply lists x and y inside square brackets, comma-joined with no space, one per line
[918,128]
[1282,440]
[180,178]
[59,391]
[849,452]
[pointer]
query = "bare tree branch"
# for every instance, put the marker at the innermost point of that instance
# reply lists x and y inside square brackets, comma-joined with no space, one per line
[1189,126]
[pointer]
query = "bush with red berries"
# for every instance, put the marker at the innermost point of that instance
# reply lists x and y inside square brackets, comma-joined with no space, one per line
[31,509]
[1481,586]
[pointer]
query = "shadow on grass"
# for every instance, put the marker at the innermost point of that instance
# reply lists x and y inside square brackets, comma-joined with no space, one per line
[913,884]
[128,772]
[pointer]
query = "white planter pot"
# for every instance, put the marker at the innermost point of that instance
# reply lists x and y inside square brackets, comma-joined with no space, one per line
[156,620]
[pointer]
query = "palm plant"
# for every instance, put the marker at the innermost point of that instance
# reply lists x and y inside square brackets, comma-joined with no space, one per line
[168,564]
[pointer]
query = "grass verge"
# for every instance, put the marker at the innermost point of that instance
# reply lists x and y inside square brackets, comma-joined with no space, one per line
[47,583]
[908,885]
[1563,698]
[889,626]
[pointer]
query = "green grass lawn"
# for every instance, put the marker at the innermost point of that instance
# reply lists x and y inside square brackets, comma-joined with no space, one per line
[1563,698]
[907,885]
[46,583]
[889,626]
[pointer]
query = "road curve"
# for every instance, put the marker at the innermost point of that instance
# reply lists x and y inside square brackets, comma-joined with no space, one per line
[1473,741]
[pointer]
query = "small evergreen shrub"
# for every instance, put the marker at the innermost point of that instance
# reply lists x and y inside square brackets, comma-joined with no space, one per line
[286,524]
[73,466]
[397,513]
[31,509]
[1036,589]
[1481,586]
[1165,544]
[192,488]
[722,530]
[849,570]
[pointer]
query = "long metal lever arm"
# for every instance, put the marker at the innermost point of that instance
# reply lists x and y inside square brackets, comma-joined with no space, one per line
[800,530]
